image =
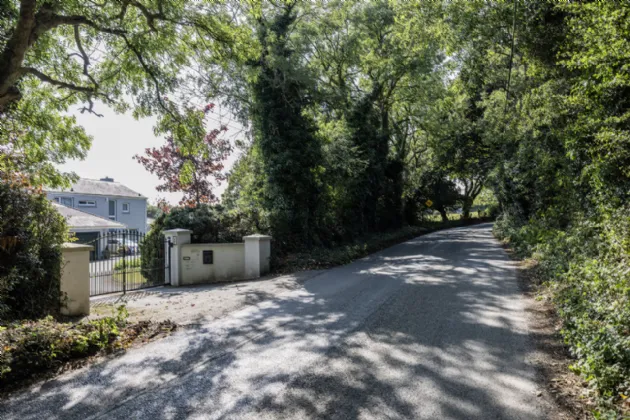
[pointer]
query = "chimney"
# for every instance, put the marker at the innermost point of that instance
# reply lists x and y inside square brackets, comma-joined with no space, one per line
[107,179]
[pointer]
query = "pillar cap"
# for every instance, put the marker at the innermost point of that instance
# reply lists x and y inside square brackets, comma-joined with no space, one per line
[177,231]
[70,247]
[256,236]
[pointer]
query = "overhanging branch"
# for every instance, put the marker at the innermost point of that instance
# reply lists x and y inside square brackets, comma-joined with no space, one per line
[45,78]
[86,59]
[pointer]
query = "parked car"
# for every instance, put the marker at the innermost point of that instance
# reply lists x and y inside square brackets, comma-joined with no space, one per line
[115,247]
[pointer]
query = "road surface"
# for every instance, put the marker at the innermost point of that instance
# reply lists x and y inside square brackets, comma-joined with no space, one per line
[433,328]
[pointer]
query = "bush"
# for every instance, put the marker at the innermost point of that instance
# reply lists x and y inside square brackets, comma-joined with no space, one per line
[587,265]
[31,235]
[208,223]
[32,347]
[150,251]
[130,262]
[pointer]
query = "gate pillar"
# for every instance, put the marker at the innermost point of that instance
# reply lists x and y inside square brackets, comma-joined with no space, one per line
[257,255]
[177,238]
[75,279]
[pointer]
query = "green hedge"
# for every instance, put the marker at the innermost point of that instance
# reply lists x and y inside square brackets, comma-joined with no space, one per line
[588,268]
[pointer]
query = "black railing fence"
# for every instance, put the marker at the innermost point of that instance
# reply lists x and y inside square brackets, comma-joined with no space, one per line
[128,260]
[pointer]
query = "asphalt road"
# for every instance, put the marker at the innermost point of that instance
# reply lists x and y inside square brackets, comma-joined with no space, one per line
[433,328]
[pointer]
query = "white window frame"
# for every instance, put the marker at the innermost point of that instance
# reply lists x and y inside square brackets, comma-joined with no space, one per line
[87,203]
[60,198]
[128,208]
[112,216]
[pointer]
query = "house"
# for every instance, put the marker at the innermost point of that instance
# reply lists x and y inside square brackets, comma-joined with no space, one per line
[106,199]
[87,228]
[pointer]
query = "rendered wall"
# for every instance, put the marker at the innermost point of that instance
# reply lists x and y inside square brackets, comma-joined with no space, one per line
[228,263]
[75,280]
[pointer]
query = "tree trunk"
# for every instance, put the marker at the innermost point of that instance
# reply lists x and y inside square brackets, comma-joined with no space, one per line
[12,57]
[466,207]
[443,214]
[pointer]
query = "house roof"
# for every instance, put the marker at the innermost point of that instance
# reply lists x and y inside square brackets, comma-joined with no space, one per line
[99,187]
[78,219]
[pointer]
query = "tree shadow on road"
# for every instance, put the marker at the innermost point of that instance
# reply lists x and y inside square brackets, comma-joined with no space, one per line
[431,328]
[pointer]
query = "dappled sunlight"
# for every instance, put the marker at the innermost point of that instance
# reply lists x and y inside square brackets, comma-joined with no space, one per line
[418,332]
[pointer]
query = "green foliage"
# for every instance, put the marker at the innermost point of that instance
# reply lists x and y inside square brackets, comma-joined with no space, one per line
[554,116]
[587,265]
[129,262]
[437,189]
[285,135]
[150,249]
[31,235]
[67,56]
[209,224]
[153,211]
[32,347]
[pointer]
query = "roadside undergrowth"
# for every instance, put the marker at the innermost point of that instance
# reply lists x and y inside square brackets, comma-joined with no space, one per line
[31,350]
[581,271]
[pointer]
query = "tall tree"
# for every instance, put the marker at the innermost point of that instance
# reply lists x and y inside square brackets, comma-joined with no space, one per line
[284,134]
[58,55]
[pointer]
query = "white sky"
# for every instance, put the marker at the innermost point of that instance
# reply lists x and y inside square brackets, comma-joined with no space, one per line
[116,139]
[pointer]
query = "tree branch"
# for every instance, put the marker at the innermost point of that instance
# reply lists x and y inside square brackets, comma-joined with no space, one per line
[47,20]
[86,59]
[151,75]
[45,78]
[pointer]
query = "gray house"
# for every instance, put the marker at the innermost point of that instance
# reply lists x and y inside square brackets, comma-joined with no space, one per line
[107,199]
[87,228]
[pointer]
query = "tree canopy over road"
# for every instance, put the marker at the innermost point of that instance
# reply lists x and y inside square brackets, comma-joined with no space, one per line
[361,116]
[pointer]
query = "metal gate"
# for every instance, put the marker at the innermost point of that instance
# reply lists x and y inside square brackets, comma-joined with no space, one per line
[128,260]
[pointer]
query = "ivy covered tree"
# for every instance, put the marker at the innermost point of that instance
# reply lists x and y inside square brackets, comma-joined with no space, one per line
[285,136]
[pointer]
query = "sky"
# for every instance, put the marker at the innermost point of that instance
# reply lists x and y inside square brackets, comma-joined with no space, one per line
[116,138]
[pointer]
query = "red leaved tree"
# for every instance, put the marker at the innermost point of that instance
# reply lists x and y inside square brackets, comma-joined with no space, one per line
[187,164]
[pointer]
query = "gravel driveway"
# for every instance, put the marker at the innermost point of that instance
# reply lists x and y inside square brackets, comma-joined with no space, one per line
[196,305]
[433,328]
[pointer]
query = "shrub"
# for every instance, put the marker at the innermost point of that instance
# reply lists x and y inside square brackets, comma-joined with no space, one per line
[150,251]
[31,347]
[31,235]
[129,262]
[208,223]
[587,264]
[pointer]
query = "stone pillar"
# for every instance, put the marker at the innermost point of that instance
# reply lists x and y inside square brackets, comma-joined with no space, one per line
[75,279]
[178,238]
[257,255]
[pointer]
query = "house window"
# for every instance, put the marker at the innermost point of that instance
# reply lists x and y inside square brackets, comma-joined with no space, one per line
[125,207]
[112,209]
[66,201]
[87,203]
